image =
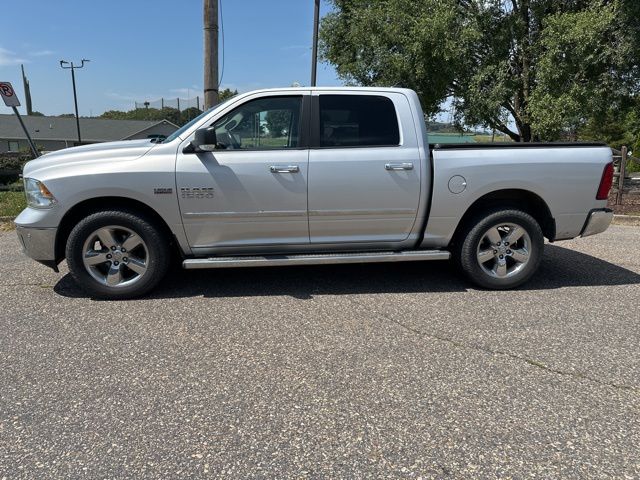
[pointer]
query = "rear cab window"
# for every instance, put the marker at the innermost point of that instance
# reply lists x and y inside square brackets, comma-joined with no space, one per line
[357,121]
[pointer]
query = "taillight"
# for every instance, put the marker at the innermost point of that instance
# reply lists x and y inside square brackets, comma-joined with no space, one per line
[605,182]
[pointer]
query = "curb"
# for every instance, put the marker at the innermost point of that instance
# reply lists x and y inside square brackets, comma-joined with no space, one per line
[6,224]
[629,220]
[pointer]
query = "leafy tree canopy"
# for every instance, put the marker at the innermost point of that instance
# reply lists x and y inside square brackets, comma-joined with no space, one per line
[226,94]
[153,114]
[532,69]
[278,122]
[618,126]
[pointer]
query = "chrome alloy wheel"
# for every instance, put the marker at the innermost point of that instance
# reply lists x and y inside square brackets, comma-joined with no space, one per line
[115,256]
[504,250]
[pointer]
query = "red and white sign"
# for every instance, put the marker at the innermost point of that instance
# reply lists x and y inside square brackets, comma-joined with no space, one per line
[9,95]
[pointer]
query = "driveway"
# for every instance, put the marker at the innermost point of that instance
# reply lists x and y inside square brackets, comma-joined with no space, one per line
[387,371]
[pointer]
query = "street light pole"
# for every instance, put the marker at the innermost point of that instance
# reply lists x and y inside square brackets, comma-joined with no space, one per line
[314,53]
[72,67]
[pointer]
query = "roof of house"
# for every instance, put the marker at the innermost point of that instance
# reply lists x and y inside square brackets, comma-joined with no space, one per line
[64,128]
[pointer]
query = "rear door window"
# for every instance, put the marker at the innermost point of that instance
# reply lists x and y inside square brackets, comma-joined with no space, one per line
[358,121]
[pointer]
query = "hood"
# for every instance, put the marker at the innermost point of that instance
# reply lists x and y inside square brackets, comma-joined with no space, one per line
[123,150]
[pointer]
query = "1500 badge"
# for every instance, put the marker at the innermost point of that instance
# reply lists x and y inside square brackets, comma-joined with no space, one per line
[202,192]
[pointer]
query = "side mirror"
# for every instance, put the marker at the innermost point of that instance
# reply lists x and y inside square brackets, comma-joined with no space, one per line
[204,140]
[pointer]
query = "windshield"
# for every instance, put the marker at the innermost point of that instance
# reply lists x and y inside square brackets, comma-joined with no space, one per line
[187,126]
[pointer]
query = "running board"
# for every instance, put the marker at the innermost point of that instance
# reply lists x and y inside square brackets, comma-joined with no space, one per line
[315,259]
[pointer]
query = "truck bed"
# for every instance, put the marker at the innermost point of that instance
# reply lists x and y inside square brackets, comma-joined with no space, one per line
[478,146]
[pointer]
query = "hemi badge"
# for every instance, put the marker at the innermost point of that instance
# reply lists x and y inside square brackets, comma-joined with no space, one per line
[162,191]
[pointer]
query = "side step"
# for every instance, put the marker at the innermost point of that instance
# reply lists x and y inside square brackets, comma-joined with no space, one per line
[315,259]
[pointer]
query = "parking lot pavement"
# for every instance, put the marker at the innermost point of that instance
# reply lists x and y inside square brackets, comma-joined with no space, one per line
[388,371]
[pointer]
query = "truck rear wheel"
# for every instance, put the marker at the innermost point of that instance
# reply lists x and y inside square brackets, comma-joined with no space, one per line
[117,254]
[500,249]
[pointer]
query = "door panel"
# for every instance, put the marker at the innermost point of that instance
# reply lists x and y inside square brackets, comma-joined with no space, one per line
[362,188]
[354,198]
[252,189]
[248,204]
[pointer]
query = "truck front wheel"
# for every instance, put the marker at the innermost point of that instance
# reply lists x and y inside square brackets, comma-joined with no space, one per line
[500,249]
[117,254]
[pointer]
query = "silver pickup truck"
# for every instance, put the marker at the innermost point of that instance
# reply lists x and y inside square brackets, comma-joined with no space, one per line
[303,176]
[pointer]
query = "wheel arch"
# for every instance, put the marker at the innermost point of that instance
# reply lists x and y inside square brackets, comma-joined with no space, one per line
[97,204]
[521,199]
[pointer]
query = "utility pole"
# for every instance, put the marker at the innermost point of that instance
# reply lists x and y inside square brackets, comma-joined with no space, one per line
[314,53]
[210,53]
[72,67]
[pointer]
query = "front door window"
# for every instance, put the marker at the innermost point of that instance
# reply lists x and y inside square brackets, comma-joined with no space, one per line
[262,124]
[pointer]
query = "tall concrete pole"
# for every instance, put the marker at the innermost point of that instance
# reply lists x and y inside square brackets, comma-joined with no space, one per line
[314,53]
[210,53]
[27,92]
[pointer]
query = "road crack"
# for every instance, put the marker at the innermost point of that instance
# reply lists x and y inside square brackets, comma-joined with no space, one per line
[491,351]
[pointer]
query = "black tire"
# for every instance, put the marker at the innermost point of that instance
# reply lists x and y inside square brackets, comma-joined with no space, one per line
[155,245]
[501,270]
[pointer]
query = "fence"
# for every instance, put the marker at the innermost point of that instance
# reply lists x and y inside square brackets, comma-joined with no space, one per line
[622,182]
[177,103]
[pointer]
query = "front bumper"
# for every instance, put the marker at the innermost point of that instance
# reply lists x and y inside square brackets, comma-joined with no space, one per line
[597,222]
[39,244]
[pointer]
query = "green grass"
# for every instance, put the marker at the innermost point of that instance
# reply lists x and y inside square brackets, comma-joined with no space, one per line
[633,167]
[487,138]
[11,203]
[278,142]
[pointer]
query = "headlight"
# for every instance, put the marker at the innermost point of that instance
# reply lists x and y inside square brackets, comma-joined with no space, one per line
[38,195]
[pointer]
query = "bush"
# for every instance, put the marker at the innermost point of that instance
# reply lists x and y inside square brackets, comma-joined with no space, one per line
[12,162]
[633,166]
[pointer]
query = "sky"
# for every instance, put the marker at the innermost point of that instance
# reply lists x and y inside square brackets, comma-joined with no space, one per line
[144,50]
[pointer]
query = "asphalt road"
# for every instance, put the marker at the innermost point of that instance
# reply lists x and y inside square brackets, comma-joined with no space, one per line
[377,371]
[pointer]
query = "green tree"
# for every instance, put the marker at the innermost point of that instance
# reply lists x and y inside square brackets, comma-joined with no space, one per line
[226,94]
[277,122]
[151,114]
[532,69]
[619,126]
[188,114]
[581,70]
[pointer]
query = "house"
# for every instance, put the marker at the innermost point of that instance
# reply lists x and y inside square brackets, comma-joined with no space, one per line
[55,133]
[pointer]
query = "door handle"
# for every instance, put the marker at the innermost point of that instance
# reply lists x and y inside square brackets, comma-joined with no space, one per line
[284,168]
[398,166]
